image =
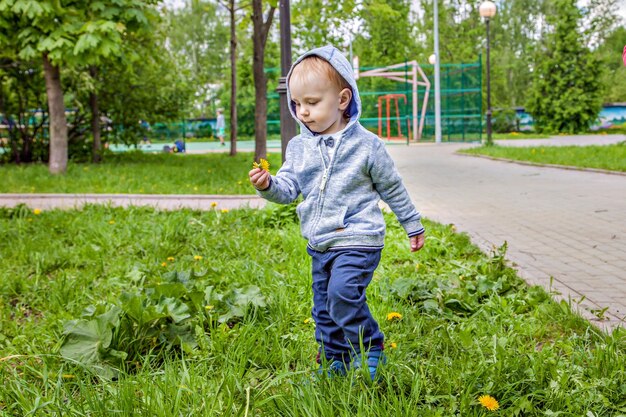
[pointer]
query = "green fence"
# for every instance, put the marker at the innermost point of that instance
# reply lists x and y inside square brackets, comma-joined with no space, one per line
[461,103]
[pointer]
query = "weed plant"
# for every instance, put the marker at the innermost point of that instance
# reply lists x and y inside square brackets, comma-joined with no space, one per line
[608,157]
[139,173]
[465,324]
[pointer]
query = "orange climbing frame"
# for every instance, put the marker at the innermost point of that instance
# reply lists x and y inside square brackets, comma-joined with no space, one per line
[386,101]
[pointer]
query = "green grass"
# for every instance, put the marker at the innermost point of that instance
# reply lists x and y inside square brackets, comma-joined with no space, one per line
[139,173]
[469,326]
[609,157]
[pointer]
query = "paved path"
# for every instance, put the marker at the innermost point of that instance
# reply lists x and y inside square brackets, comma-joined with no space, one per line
[569,225]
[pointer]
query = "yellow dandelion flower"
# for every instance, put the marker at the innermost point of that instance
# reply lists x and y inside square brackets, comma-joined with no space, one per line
[489,402]
[197,258]
[393,315]
[37,212]
[209,307]
[213,204]
[417,266]
[111,221]
[170,258]
[307,321]
[393,345]
[263,164]
[224,210]
[195,188]
[163,263]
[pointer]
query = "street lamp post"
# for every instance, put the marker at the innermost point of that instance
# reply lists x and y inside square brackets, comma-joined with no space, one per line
[432,60]
[437,75]
[487,11]
[287,123]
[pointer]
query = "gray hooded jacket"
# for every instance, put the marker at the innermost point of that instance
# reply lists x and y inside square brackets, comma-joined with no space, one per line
[340,207]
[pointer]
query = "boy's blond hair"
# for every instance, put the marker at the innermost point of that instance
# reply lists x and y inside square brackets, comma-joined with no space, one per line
[313,65]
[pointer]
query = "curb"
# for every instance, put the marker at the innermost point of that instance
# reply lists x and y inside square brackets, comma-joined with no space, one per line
[159,201]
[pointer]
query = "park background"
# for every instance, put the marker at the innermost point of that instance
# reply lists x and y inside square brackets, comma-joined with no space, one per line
[134,71]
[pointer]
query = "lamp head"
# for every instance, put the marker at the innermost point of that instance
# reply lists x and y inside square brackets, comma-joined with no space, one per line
[487,9]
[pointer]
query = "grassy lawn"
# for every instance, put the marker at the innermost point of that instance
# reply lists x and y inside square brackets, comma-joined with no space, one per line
[609,157]
[139,173]
[207,313]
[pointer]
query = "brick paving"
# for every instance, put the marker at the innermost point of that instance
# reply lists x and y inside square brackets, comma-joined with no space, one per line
[566,230]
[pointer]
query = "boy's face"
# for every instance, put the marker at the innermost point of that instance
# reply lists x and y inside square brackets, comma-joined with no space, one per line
[319,104]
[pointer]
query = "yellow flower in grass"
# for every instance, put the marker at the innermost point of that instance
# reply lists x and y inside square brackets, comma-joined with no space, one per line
[111,221]
[197,258]
[393,345]
[170,258]
[37,212]
[213,204]
[263,164]
[163,264]
[489,402]
[224,210]
[307,321]
[209,307]
[394,316]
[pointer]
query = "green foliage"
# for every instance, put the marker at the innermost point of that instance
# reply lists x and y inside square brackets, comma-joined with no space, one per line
[157,316]
[505,121]
[82,32]
[198,40]
[614,77]
[566,95]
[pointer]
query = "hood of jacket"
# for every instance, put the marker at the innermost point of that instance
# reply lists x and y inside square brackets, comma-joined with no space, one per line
[339,62]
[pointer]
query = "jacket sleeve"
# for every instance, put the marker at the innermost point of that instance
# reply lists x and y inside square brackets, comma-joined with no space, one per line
[284,187]
[389,186]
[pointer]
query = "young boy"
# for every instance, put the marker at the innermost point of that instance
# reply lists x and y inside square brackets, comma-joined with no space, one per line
[342,170]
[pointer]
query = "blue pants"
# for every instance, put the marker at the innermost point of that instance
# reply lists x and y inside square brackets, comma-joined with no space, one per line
[342,317]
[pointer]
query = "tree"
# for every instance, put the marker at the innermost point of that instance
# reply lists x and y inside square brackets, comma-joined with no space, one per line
[614,78]
[80,33]
[232,13]
[22,89]
[566,95]
[261,29]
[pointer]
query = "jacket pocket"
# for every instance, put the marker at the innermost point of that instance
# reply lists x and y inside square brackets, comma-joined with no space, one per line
[332,220]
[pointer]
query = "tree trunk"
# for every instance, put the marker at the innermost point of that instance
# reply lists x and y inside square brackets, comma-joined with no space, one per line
[259,38]
[57,120]
[96,153]
[233,80]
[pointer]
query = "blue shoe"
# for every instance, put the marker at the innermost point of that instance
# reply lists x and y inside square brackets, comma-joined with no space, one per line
[373,360]
[333,368]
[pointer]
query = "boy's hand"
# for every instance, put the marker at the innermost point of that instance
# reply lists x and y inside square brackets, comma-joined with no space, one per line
[417,242]
[259,178]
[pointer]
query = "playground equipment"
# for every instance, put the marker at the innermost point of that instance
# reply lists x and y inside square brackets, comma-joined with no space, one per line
[410,77]
[384,102]
[461,101]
